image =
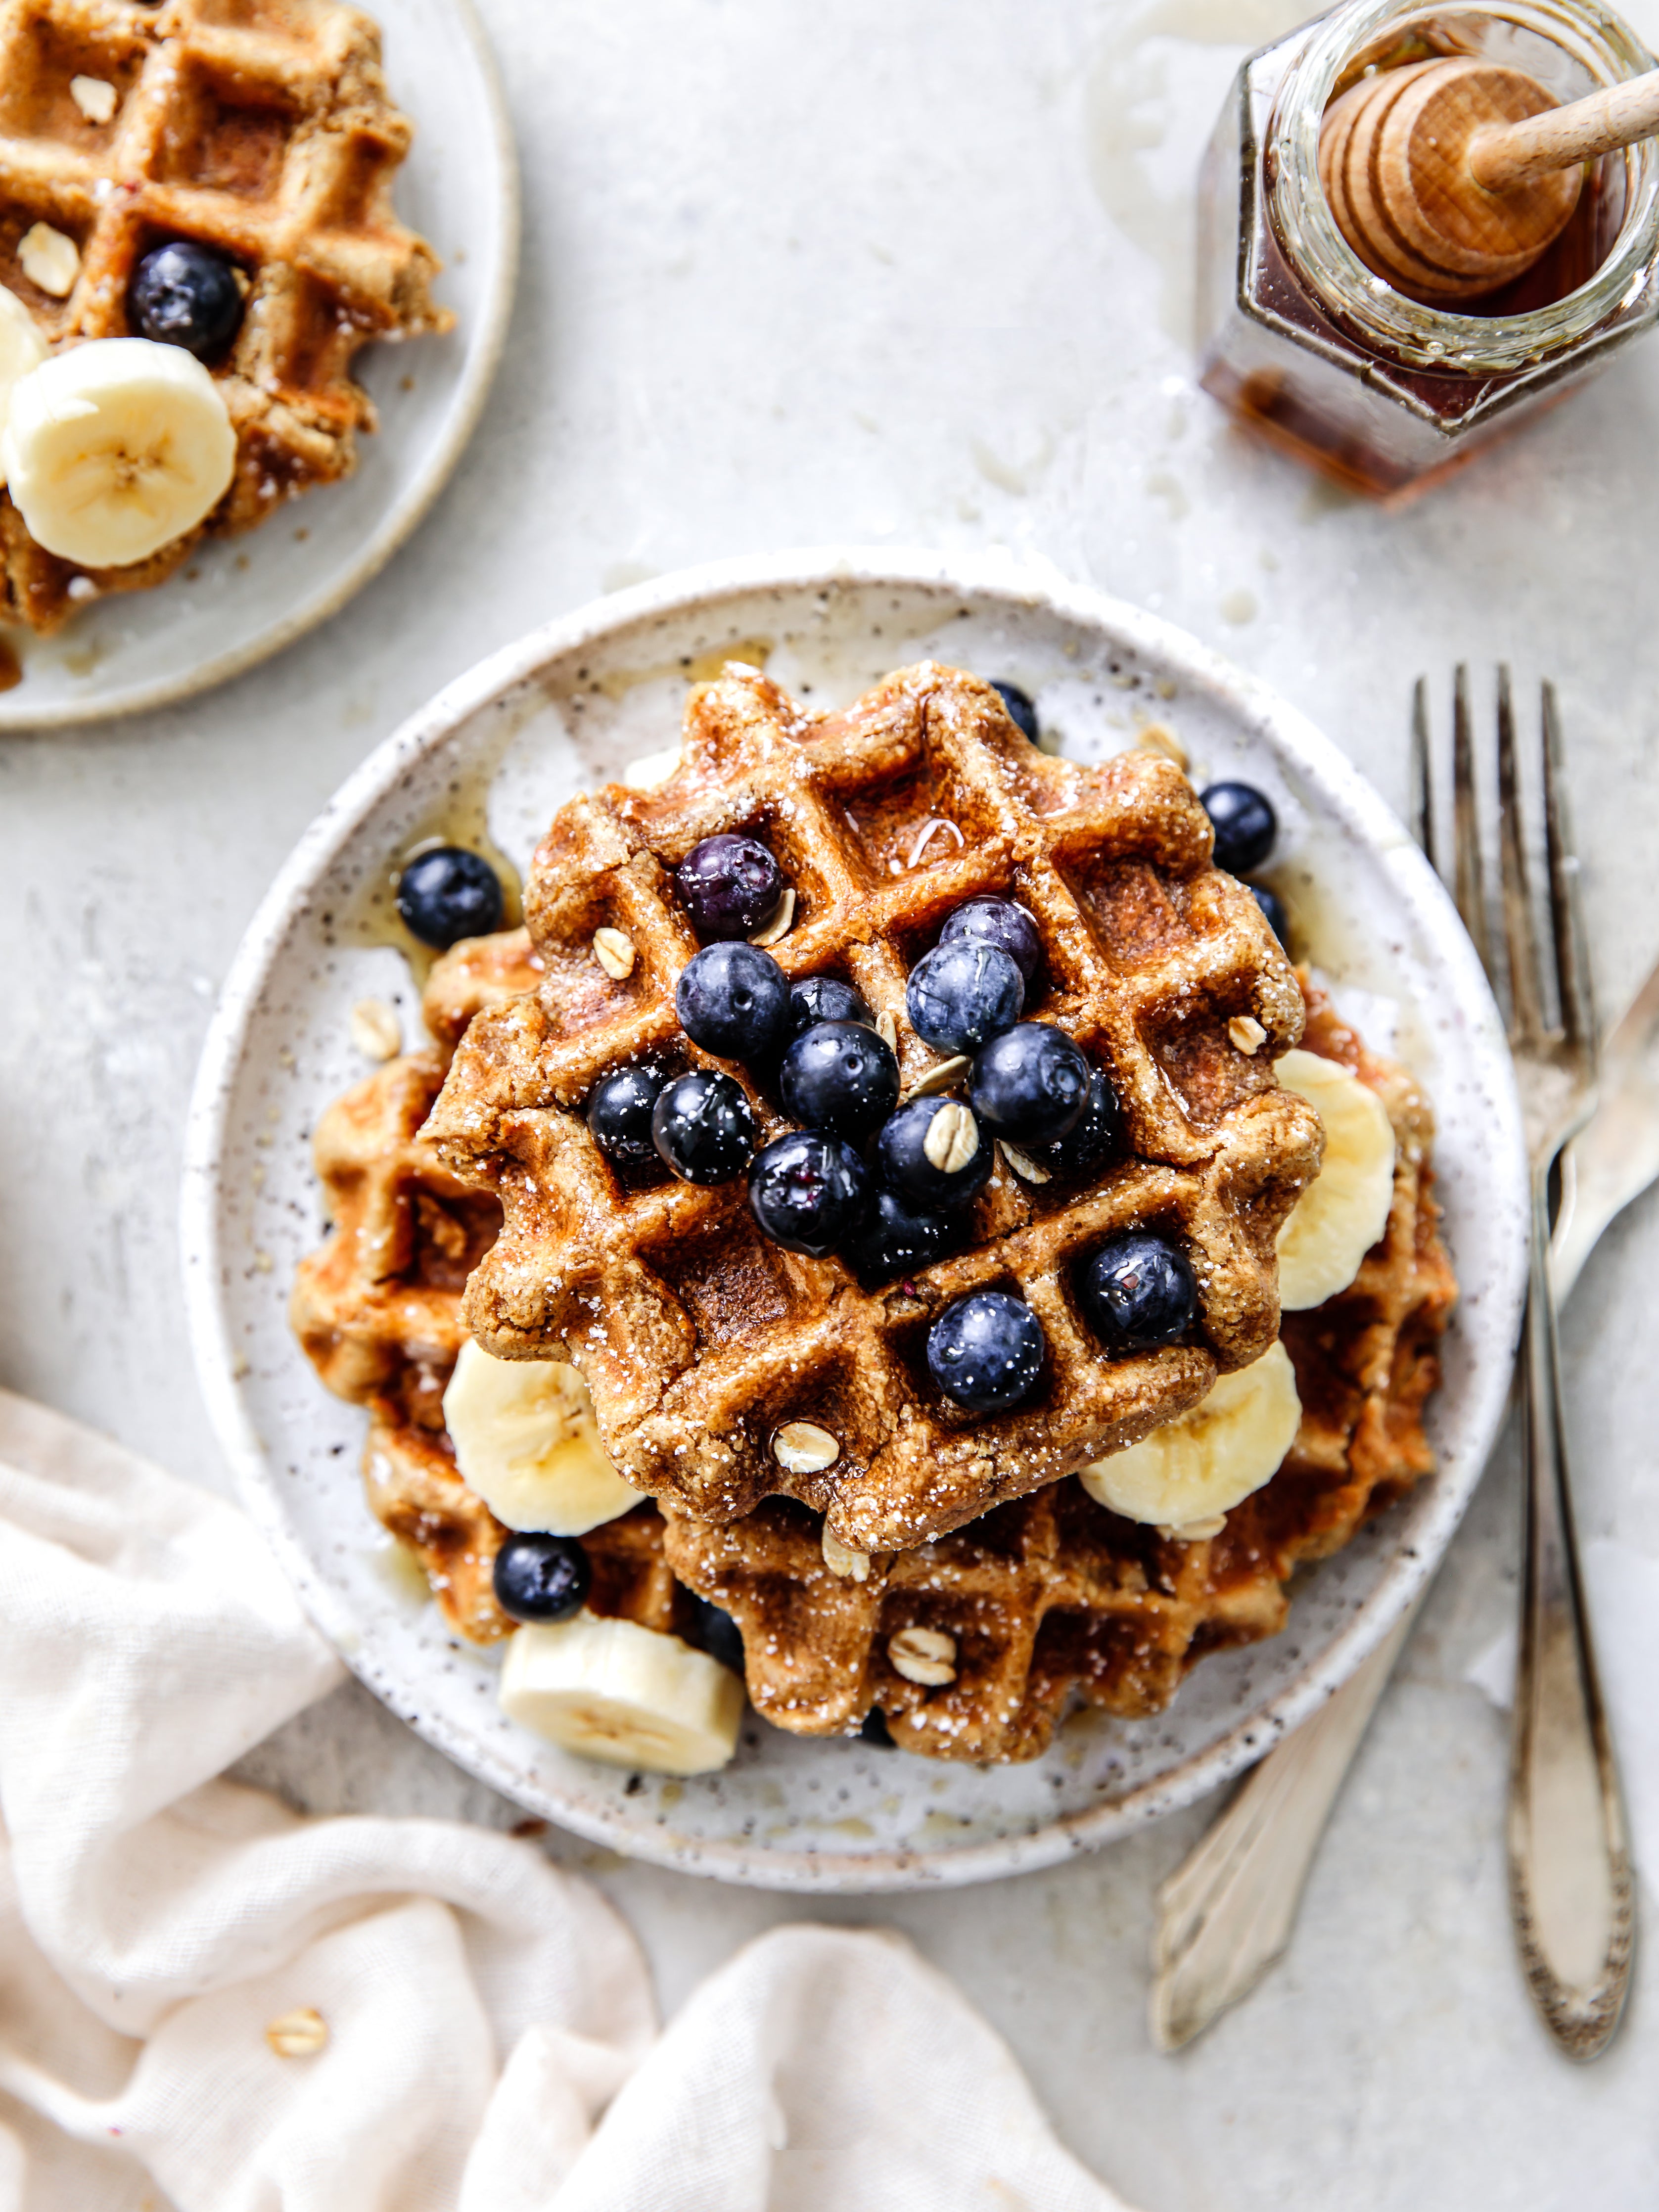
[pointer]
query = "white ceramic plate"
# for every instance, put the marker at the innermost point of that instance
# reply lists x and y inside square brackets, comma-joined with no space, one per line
[240,600]
[562,710]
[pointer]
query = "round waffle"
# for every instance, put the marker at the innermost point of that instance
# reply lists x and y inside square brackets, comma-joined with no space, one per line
[1047,1600]
[698,1337]
[263,131]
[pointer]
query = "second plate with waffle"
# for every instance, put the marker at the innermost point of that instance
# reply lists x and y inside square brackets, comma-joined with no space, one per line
[255,269]
[893,1551]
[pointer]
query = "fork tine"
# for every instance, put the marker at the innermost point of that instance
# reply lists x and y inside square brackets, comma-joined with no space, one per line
[1520,930]
[1422,791]
[1469,888]
[1566,910]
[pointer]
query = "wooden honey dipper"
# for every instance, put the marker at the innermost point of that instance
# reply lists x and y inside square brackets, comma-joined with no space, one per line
[1449,178]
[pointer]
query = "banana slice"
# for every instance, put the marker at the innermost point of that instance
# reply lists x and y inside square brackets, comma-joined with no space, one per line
[22,349]
[115,448]
[526,1441]
[1203,1462]
[1340,1217]
[627,1695]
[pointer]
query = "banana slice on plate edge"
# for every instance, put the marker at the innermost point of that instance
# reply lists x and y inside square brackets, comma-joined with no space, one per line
[1344,1212]
[629,1696]
[527,1443]
[1202,1464]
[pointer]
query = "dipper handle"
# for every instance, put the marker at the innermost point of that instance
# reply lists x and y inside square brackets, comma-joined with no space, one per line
[1506,155]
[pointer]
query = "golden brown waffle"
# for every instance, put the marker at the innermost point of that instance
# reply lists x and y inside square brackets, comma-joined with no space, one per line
[259,127]
[699,1337]
[1049,1598]
[478,972]
[1366,1361]
[378,1311]
[1052,1598]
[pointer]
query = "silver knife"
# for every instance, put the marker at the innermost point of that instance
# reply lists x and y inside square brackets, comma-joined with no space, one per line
[1616,1156]
[1227,1911]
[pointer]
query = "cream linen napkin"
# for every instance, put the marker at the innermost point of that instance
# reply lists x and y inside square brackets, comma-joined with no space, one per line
[491,2044]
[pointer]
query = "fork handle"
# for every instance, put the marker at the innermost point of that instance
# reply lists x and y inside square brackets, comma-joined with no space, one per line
[1571,1893]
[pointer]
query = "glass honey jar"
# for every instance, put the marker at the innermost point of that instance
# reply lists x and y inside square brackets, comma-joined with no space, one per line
[1299,338]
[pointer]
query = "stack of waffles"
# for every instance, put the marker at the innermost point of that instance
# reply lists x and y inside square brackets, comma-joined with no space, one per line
[262,131]
[468,1197]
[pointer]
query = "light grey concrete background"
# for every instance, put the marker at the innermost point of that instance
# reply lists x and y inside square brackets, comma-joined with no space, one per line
[794,274]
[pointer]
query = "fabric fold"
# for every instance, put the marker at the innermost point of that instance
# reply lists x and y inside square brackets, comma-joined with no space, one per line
[477,2027]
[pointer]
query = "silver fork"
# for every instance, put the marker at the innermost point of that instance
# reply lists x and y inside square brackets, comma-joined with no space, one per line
[1570,1893]
[1227,1911]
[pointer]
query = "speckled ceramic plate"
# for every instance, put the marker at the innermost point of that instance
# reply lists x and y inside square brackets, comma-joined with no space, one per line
[243,599]
[564,709]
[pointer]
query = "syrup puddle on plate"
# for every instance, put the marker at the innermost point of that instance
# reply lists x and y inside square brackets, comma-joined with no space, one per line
[370,916]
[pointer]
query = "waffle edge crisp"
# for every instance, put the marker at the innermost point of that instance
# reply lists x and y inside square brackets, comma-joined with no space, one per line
[264,130]
[698,1338]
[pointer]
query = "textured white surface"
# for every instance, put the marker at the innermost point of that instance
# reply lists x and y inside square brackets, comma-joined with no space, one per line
[793,275]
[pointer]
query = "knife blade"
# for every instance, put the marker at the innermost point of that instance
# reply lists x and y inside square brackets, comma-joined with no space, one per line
[1615,1156]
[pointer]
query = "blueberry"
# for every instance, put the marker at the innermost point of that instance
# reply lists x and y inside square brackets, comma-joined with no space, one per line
[1139,1291]
[998,923]
[702,1127]
[959,995]
[897,1239]
[1091,1137]
[448,893]
[1274,907]
[713,1631]
[185,294]
[841,1077]
[1245,825]
[1030,1084]
[808,1191]
[730,885]
[540,1577]
[734,1000]
[1021,713]
[817,999]
[619,1115]
[986,1351]
[940,1176]
[873,1729]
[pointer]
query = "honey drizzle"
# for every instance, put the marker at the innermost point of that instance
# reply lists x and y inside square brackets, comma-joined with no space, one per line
[698,668]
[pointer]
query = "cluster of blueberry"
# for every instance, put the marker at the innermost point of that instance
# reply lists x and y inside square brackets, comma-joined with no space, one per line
[882,1185]
[886,1185]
